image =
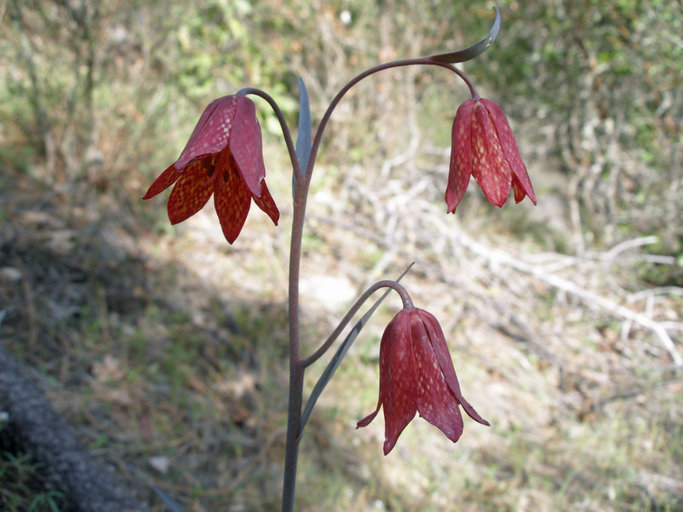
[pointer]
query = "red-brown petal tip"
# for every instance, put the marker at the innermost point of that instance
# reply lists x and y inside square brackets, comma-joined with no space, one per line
[191,192]
[165,180]
[267,204]
[232,201]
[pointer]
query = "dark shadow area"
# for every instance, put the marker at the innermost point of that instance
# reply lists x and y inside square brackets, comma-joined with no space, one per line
[121,352]
[61,469]
[122,371]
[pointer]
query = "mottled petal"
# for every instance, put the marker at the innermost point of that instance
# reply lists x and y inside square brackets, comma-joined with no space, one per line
[165,180]
[521,183]
[443,357]
[266,203]
[435,402]
[225,154]
[461,156]
[246,146]
[232,201]
[490,167]
[191,192]
[212,131]
[397,378]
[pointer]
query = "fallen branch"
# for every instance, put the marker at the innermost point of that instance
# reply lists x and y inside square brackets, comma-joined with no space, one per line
[592,300]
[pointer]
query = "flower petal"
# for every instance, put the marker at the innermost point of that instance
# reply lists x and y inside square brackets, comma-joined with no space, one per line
[246,147]
[165,180]
[232,202]
[191,192]
[520,191]
[368,419]
[434,401]
[461,156]
[382,370]
[212,131]
[443,357]
[520,178]
[397,379]
[266,203]
[490,167]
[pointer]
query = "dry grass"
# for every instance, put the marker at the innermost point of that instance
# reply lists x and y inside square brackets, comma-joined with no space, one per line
[166,349]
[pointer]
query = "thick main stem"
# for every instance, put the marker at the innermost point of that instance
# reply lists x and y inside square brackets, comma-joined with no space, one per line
[296,369]
[296,382]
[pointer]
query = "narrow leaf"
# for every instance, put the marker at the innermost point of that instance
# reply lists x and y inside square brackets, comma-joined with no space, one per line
[339,355]
[304,129]
[473,51]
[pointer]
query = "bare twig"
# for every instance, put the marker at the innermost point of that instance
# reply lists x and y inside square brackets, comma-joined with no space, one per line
[628,244]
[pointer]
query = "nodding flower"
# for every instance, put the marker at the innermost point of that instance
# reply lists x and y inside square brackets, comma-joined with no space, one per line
[416,374]
[223,157]
[483,146]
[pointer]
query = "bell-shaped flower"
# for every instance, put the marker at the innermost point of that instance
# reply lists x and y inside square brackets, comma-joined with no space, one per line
[223,157]
[416,374]
[483,146]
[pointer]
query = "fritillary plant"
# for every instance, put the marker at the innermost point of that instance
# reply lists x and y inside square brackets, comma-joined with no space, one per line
[224,158]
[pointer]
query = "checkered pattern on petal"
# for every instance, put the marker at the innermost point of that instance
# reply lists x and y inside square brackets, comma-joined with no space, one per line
[232,201]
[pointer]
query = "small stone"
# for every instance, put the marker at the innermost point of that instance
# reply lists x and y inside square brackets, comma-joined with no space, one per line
[10,274]
[160,464]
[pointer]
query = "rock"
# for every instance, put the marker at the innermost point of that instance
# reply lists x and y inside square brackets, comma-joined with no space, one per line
[87,484]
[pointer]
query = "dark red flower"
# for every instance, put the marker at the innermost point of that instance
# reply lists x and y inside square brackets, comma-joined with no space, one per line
[223,157]
[483,146]
[416,374]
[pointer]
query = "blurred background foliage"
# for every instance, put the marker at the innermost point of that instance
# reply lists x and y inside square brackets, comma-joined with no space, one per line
[92,91]
[96,98]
